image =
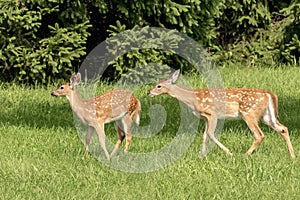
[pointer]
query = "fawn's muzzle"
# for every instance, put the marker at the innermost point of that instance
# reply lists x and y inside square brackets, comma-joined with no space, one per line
[150,94]
[53,94]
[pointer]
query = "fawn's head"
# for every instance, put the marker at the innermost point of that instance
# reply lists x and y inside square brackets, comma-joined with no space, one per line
[163,86]
[67,88]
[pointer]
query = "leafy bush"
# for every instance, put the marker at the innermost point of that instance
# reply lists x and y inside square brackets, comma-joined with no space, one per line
[268,35]
[41,40]
[289,46]
[140,47]
[194,18]
[34,49]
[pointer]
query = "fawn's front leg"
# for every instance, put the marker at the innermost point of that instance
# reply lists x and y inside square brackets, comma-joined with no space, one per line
[88,139]
[211,128]
[204,142]
[101,137]
[257,133]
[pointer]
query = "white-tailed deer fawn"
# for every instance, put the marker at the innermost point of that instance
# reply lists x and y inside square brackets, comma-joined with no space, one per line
[251,105]
[115,105]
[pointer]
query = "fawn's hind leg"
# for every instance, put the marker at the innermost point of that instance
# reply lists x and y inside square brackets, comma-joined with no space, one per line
[270,119]
[285,134]
[283,131]
[121,136]
[126,124]
[252,123]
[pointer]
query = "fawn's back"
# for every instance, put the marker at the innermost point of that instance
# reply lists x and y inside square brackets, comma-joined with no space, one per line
[231,103]
[114,104]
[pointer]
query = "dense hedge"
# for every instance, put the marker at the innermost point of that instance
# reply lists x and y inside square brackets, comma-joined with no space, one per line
[45,40]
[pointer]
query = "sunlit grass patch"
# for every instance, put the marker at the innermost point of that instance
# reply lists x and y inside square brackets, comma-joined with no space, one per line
[41,152]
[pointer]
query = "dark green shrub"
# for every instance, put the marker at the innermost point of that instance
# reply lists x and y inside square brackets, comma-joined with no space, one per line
[34,48]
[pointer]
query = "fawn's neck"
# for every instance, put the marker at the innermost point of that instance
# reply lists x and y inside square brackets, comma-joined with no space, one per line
[185,95]
[83,109]
[76,102]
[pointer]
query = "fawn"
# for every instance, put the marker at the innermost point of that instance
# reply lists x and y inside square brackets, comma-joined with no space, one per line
[251,105]
[119,106]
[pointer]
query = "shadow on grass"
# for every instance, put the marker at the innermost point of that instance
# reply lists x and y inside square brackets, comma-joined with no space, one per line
[47,111]
[37,113]
[289,113]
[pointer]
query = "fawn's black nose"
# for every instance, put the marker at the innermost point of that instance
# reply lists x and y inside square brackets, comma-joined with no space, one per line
[53,94]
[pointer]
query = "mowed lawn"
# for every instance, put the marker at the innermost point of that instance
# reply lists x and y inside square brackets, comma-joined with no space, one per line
[42,153]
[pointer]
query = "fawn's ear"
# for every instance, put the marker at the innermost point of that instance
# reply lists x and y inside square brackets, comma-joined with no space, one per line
[173,77]
[75,79]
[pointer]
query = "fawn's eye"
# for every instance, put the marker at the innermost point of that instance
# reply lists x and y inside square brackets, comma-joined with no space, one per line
[62,87]
[159,86]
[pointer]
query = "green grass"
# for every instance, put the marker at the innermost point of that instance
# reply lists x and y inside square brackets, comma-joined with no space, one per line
[41,153]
